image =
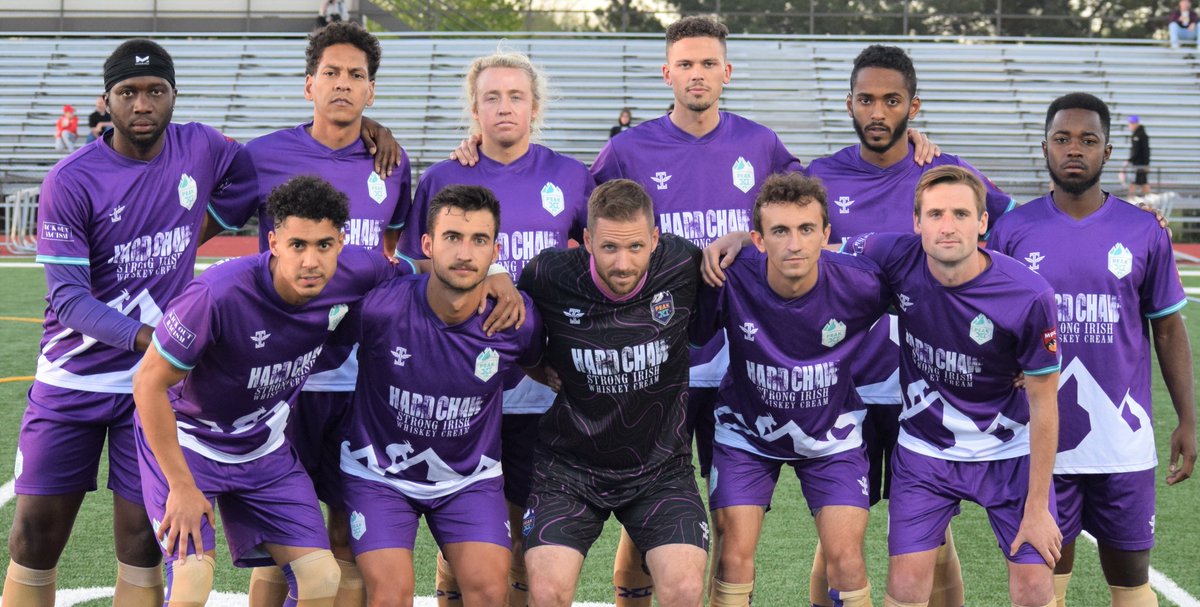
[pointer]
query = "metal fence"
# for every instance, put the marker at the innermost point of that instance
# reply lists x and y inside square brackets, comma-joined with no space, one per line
[20,221]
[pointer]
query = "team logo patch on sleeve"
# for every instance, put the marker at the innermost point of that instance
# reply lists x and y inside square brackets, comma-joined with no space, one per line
[187,191]
[178,332]
[662,307]
[376,188]
[55,231]
[1050,340]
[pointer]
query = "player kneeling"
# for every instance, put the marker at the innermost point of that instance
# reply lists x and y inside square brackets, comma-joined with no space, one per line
[424,436]
[788,397]
[214,394]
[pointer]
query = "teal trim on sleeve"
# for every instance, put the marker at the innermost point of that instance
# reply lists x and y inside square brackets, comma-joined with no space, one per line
[398,226]
[66,261]
[213,213]
[171,359]
[408,260]
[1045,370]
[1168,311]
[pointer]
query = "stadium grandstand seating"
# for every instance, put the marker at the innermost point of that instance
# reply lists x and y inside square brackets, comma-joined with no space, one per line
[983,99]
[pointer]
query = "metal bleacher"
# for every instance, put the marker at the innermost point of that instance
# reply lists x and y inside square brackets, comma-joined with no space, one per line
[984,99]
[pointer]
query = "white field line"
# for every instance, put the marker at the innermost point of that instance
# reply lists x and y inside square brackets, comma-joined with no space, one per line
[1164,585]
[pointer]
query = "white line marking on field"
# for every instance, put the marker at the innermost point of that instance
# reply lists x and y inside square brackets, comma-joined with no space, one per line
[74,596]
[1164,585]
[7,492]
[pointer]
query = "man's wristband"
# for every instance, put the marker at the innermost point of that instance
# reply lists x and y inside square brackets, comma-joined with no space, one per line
[496,269]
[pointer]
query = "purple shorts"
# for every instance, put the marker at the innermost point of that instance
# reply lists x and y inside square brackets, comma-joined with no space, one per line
[1116,508]
[926,492]
[518,437]
[268,500]
[741,478]
[62,437]
[382,517]
[316,430]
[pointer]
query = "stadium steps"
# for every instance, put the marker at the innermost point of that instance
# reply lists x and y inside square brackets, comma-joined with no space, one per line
[982,100]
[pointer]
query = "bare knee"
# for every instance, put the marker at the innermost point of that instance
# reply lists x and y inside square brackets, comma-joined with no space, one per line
[735,566]
[1033,587]
[680,592]
[845,568]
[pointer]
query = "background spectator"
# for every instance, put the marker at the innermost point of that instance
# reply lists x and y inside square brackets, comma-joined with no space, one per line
[624,121]
[66,130]
[1139,156]
[1182,24]
[330,11]
[99,120]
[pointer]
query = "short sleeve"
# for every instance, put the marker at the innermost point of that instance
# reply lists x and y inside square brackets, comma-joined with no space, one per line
[1037,345]
[414,225]
[188,327]
[997,201]
[236,197]
[607,166]
[782,161]
[1161,292]
[579,221]
[998,239]
[402,181]
[64,217]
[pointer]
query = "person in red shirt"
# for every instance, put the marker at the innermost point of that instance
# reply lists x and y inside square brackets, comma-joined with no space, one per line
[66,130]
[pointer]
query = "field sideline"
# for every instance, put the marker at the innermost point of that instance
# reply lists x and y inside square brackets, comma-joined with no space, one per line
[784,553]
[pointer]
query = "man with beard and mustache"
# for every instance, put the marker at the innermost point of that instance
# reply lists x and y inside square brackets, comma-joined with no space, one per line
[871,185]
[1113,271]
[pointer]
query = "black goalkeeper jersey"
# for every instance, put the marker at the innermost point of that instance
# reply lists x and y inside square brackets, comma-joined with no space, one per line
[623,365]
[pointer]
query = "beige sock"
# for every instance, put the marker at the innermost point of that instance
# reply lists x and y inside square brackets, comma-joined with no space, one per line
[25,587]
[448,593]
[818,583]
[352,591]
[725,594]
[855,598]
[268,587]
[888,601]
[138,586]
[1136,596]
[1061,581]
[634,587]
[947,576]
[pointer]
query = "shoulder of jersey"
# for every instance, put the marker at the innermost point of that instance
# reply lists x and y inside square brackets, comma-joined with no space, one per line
[559,157]
[224,269]
[1019,272]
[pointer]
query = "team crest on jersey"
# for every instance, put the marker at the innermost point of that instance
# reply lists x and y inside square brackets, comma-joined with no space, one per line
[486,364]
[906,302]
[862,482]
[358,525]
[336,314]
[260,339]
[661,178]
[982,329]
[1034,260]
[743,175]
[376,188]
[843,203]
[833,333]
[1120,261]
[527,522]
[115,215]
[187,191]
[662,307]
[1050,340]
[574,315]
[552,199]
[748,331]
[400,354]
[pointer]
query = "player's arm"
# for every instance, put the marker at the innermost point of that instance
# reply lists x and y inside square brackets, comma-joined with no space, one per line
[382,145]
[510,306]
[924,149]
[467,152]
[719,254]
[1174,353]
[1038,528]
[391,237]
[186,504]
[70,294]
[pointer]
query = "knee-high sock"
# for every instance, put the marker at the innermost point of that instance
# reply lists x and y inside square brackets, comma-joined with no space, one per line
[29,587]
[851,598]
[448,593]
[1136,596]
[725,594]
[352,591]
[1061,581]
[818,583]
[888,601]
[138,586]
[268,587]
[633,584]
[947,576]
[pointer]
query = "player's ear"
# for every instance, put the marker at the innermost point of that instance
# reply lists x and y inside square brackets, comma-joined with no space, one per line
[427,245]
[728,71]
[654,239]
[1107,151]
[1045,152]
[587,240]
[915,108]
[850,103]
[983,222]
[757,238]
[308,84]
[371,93]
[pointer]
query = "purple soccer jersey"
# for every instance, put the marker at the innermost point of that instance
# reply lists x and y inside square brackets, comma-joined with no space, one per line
[1111,272]
[865,198]
[134,227]
[543,200]
[702,188]
[248,351]
[377,204]
[426,414]
[788,393]
[961,348]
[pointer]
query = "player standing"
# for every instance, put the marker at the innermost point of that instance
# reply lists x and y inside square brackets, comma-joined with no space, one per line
[544,195]
[214,396]
[424,436]
[796,316]
[121,219]
[615,442]
[970,322]
[1113,272]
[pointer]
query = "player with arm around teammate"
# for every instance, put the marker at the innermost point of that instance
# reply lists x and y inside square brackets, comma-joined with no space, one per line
[214,394]
[970,321]
[796,315]
[1113,272]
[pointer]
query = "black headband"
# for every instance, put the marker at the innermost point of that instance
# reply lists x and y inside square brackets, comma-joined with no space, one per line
[134,64]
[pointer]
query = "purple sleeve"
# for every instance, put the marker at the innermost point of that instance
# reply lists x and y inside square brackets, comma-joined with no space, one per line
[579,221]
[782,161]
[404,202]
[607,166]
[532,334]
[414,225]
[71,299]
[188,326]
[998,238]
[1037,345]
[1162,292]
[64,223]
[998,203]
[236,197]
